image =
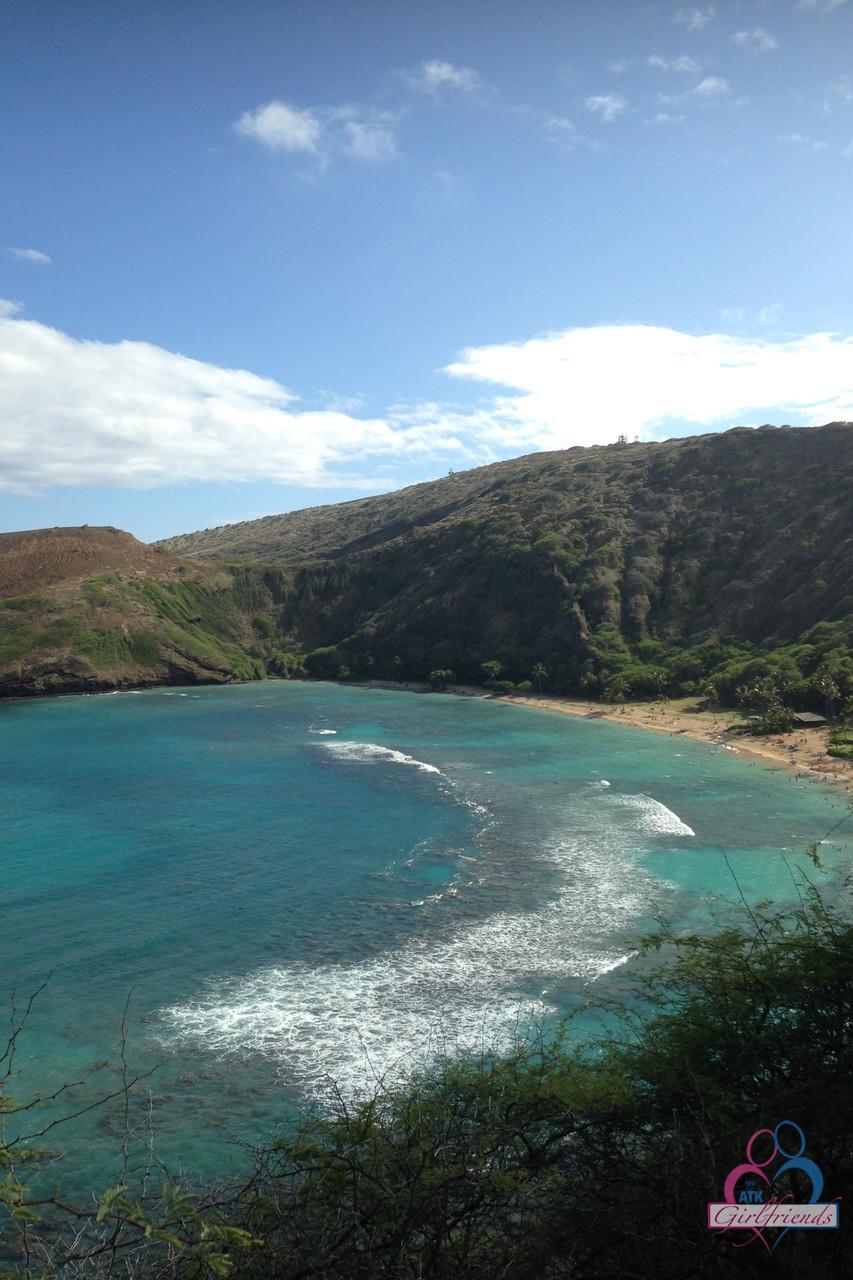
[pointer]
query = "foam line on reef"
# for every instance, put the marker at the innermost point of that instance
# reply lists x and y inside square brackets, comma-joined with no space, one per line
[386,1014]
[372,752]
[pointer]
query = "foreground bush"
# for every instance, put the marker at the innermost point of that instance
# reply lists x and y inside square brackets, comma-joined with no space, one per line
[591,1162]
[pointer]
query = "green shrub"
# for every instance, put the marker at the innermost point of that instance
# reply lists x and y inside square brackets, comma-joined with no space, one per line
[558,1160]
[145,648]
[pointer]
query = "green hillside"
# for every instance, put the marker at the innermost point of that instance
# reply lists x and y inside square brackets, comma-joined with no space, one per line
[624,570]
[700,565]
[88,609]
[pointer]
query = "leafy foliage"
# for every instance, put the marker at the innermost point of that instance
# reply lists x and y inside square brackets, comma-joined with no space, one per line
[558,1160]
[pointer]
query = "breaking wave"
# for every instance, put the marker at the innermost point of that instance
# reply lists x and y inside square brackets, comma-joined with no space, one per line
[650,817]
[370,751]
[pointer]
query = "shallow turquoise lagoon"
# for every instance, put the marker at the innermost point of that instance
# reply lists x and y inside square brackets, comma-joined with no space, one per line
[293,883]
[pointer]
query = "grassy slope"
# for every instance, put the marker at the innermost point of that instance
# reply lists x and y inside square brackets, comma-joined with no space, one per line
[94,609]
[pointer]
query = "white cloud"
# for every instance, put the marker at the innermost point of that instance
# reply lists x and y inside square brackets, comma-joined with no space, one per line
[607,106]
[370,141]
[322,133]
[664,117]
[618,66]
[281,127]
[136,415]
[848,150]
[586,386]
[30,255]
[712,87]
[757,41]
[435,75]
[688,66]
[694,19]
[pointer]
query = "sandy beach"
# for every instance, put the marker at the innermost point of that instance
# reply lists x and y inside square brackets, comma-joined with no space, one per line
[803,752]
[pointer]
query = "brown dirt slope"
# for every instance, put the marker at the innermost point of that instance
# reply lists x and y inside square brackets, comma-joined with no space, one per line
[39,558]
[87,609]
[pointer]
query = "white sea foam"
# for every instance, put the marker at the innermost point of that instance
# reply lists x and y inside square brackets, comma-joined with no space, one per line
[322,731]
[477,985]
[382,1016]
[650,817]
[371,751]
[617,964]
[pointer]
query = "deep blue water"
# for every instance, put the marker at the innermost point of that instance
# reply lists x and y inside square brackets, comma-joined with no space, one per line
[292,882]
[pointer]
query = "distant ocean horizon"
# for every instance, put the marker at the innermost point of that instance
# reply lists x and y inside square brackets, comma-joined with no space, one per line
[290,884]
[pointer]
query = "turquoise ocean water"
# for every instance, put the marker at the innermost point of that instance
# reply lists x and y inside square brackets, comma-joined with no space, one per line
[297,882]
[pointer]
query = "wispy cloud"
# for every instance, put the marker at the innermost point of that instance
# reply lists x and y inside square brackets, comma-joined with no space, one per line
[370,141]
[797,140]
[607,106]
[770,313]
[688,66]
[694,19]
[321,132]
[843,88]
[664,117]
[765,316]
[756,41]
[30,255]
[558,130]
[435,75]
[712,87]
[819,6]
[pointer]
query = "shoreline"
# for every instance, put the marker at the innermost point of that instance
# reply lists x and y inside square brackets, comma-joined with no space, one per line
[802,752]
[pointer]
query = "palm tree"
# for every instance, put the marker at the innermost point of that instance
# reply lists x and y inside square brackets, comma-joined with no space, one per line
[491,670]
[830,690]
[539,674]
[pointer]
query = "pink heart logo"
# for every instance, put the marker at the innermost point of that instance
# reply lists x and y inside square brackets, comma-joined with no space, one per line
[756,1168]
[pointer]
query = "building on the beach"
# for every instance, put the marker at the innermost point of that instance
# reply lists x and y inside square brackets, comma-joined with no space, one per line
[808,719]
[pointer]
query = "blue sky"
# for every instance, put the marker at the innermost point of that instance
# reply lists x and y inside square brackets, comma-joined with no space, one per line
[258,256]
